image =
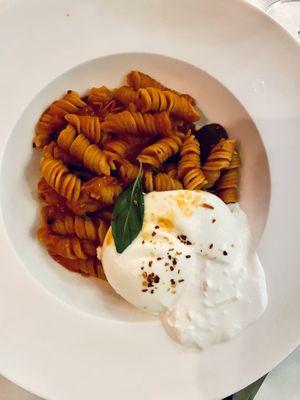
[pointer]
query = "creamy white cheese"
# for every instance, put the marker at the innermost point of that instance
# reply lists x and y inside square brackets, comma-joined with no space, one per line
[193,264]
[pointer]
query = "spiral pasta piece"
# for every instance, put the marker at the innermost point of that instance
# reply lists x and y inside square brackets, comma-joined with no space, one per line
[153,99]
[68,247]
[57,176]
[137,80]
[70,103]
[52,150]
[84,205]
[90,266]
[159,182]
[89,126]
[127,171]
[63,223]
[99,95]
[48,195]
[88,154]
[227,186]
[156,154]
[105,189]
[189,168]
[219,159]
[126,95]
[52,119]
[135,123]
[118,146]
[47,124]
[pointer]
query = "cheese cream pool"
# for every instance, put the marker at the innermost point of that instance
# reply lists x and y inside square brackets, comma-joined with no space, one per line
[193,264]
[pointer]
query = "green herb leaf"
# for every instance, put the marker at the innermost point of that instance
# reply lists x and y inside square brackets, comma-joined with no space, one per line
[128,214]
[249,392]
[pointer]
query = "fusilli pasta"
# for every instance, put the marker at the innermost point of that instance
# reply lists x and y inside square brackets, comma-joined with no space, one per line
[219,159]
[189,169]
[94,146]
[227,186]
[136,123]
[88,154]
[156,154]
[137,80]
[152,99]
[57,176]
[52,119]
[89,126]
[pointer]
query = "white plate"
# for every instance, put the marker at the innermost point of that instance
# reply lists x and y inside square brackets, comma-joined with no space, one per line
[60,336]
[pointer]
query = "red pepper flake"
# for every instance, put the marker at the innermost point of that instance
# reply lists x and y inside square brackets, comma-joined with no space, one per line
[184,240]
[181,280]
[213,221]
[188,256]
[205,205]
[211,246]
[225,253]
[166,264]
[152,278]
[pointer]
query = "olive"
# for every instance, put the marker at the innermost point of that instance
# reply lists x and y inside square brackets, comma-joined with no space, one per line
[208,136]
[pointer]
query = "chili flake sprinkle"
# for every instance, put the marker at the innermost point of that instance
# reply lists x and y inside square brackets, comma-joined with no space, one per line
[184,240]
[205,205]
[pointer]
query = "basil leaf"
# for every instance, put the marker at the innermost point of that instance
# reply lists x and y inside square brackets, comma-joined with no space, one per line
[249,392]
[128,214]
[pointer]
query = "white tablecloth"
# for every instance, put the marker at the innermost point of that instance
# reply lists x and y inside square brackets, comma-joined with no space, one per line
[283,383]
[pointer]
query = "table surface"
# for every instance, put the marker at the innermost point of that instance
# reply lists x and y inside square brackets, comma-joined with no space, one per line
[284,381]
